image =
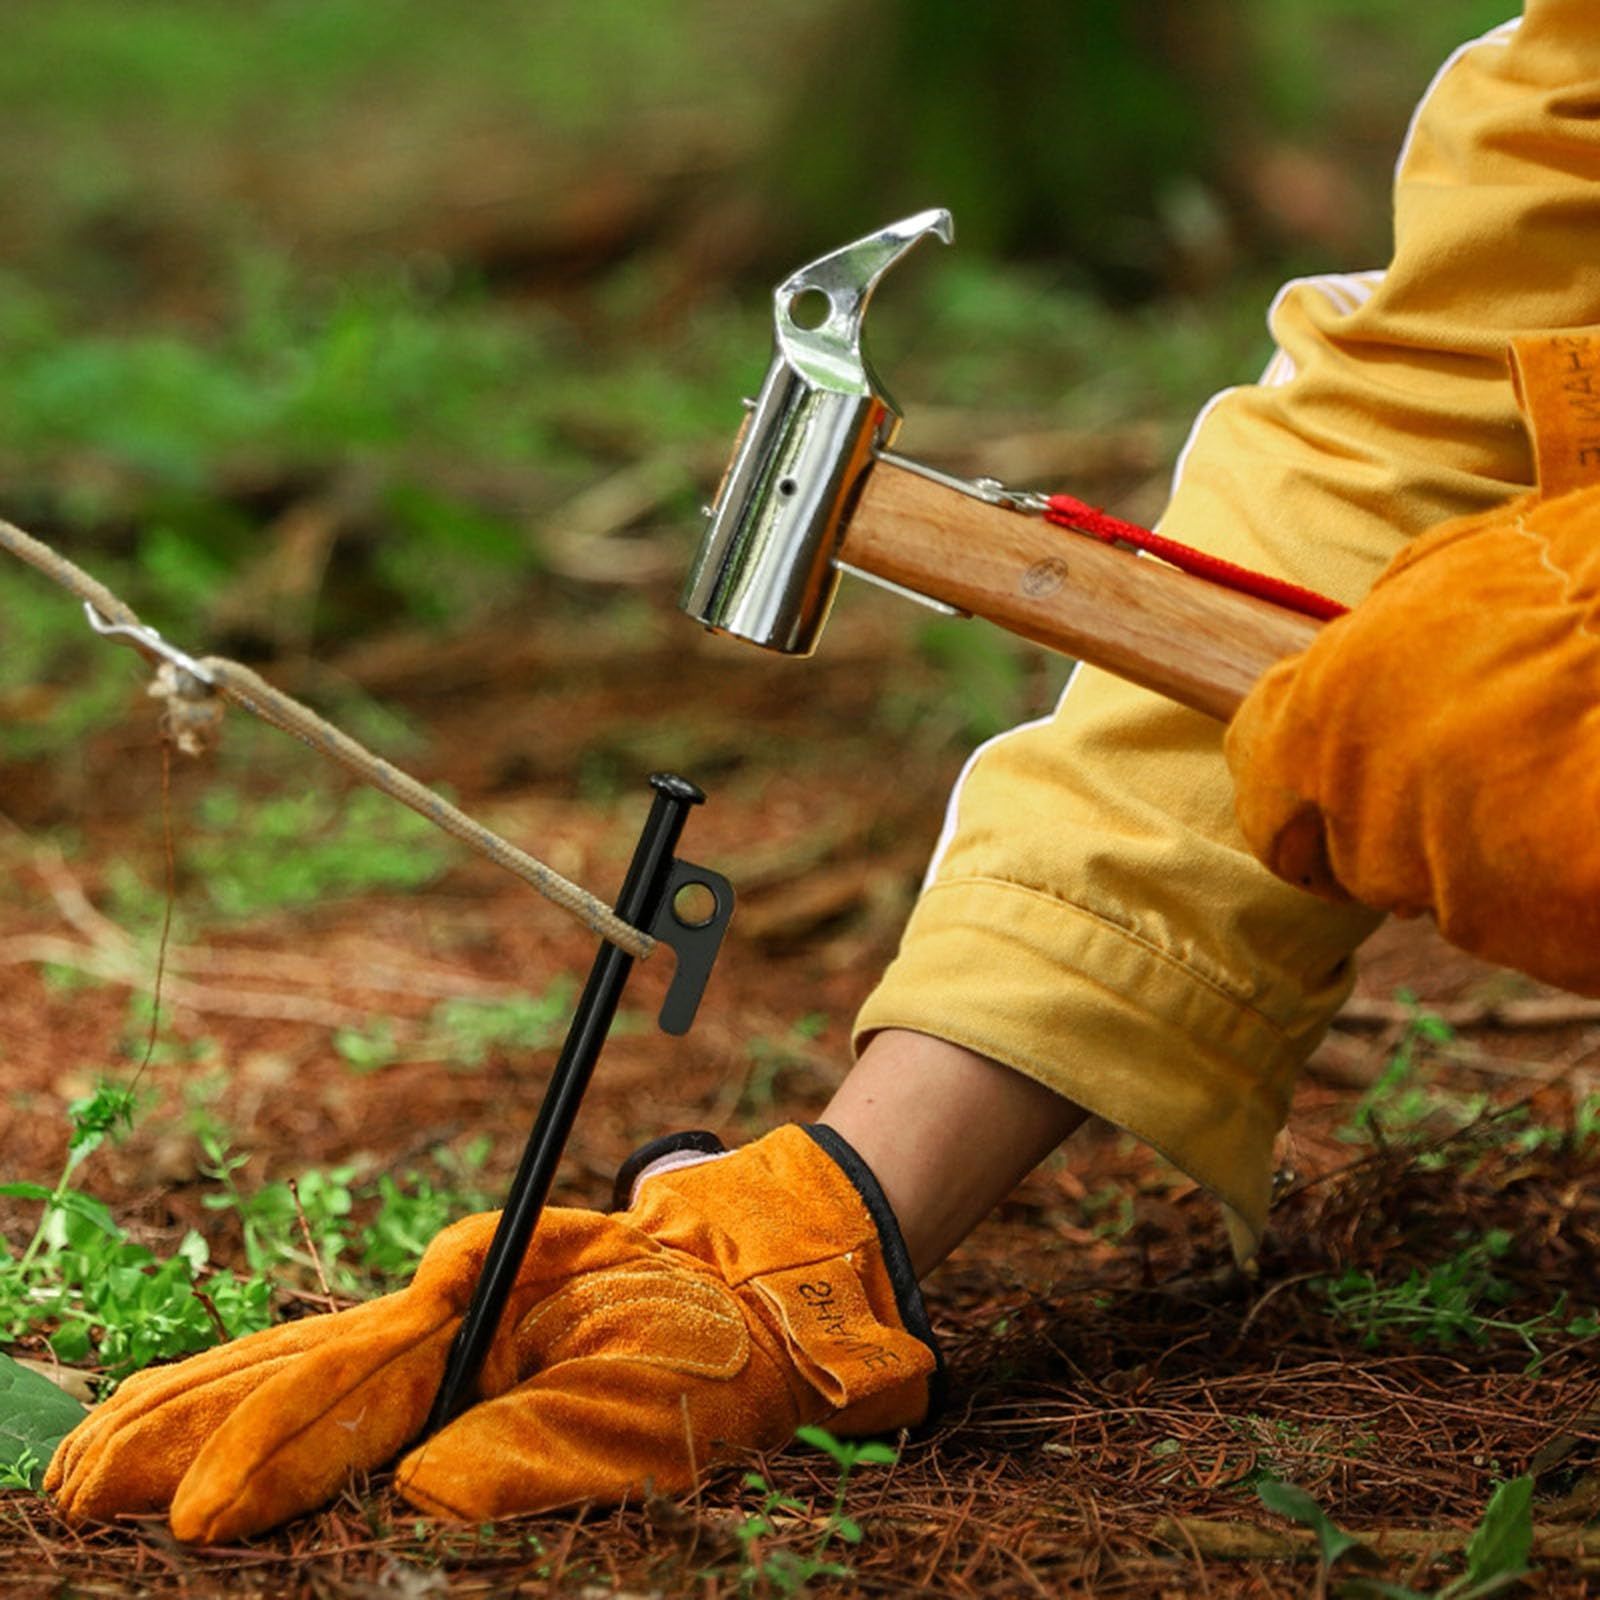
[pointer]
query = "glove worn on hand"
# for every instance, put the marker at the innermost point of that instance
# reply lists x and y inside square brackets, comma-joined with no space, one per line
[738,1298]
[1438,749]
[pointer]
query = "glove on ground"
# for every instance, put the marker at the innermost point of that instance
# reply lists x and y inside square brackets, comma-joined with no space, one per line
[735,1300]
[1438,749]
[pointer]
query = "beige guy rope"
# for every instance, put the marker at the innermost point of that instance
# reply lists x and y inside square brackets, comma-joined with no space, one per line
[189,687]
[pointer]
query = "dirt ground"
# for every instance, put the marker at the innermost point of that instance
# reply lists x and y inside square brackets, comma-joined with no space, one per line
[1116,1384]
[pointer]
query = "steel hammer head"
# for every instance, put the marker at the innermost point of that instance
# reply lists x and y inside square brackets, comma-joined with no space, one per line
[765,569]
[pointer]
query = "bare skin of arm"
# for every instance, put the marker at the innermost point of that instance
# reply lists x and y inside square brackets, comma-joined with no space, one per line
[948,1133]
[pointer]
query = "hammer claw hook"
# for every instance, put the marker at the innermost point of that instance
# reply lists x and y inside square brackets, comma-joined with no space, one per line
[829,351]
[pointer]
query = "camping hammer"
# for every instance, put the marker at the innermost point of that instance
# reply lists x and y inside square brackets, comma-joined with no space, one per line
[814,491]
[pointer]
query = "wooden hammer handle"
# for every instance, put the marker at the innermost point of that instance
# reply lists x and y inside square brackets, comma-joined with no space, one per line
[1193,641]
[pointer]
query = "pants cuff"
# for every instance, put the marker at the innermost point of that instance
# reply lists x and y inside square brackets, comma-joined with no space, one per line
[1107,1020]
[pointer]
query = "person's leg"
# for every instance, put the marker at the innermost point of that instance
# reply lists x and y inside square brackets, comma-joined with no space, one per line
[1094,919]
[947,1133]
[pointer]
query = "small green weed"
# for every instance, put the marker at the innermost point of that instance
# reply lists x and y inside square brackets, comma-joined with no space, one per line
[779,1568]
[1291,1501]
[785,1571]
[467,1030]
[1526,1137]
[847,1455]
[1400,1104]
[34,1418]
[1448,1304]
[1109,1211]
[464,1032]
[283,1221]
[1283,1444]
[770,1059]
[102,1298]
[1442,1306]
[270,1216]
[105,1295]
[410,1214]
[24,1472]
[1496,1554]
[369,1049]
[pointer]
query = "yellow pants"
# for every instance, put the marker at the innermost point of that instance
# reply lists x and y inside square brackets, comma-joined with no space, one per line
[1092,917]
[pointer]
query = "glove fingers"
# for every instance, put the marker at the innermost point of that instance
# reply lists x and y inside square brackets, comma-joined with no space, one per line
[346,1406]
[599,1428]
[129,1452]
[135,1451]
[137,1467]
[641,1373]
[352,1404]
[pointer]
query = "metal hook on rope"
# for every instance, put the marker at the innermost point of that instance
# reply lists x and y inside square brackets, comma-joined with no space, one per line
[146,638]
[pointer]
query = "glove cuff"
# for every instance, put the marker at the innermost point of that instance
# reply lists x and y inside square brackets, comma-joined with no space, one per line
[896,1257]
[664,1154]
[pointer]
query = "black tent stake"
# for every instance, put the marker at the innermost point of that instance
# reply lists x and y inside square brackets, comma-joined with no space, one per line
[648,900]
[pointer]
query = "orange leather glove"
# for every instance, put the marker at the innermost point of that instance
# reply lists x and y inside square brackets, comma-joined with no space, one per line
[740,1296]
[1438,749]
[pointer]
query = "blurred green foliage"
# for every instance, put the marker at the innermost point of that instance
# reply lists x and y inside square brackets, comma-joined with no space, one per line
[274,852]
[201,65]
[470,1029]
[460,264]
[465,1032]
[1048,124]
[296,369]
[1115,136]
[204,117]
[1319,61]
[1043,126]
[984,670]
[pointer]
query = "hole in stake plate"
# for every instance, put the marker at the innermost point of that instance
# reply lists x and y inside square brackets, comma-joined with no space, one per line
[695,905]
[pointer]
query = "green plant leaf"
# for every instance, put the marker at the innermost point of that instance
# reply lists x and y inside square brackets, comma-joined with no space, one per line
[95,1212]
[1499,1548]
[91,1210]
[35,1416]
[26,1191]
[820,1439]
[1290,1501]
[71,1341]
[367,1049]
[876,1453]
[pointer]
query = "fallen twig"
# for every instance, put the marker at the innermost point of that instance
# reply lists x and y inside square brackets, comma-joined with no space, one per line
[1557,1011]
[1248,1541]
[311,1245]
[396,978]
[115,967]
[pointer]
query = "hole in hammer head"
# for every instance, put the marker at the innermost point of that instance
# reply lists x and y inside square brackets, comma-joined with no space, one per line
[694,905]
[810,309]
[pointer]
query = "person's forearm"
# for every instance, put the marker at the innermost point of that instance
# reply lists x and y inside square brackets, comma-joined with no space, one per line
[947,1132]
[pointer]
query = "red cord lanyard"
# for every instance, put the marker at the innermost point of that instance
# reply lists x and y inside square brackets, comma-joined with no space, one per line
[1065,511]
